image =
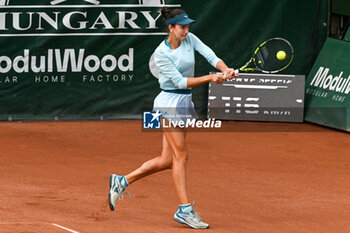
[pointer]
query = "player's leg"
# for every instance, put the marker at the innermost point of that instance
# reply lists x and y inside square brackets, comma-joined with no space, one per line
[119,183]
[162,162]
[185,213]
[177,142]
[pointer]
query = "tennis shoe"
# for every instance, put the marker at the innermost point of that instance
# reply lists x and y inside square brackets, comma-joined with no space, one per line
[116,190]
[187,215]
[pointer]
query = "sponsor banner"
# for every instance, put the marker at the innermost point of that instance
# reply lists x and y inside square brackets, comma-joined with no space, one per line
[65,59]
[92,59]
[258,97]
[328,85]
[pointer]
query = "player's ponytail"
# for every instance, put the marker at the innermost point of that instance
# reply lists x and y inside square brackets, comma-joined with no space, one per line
[168,14]
[165,11]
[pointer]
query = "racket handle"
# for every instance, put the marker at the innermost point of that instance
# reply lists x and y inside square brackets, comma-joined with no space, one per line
[221,73]
[236,71]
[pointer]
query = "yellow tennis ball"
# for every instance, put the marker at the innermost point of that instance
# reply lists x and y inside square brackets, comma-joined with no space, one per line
[281,55]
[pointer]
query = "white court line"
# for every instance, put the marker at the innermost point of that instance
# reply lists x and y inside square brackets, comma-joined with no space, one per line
[19,223]
[64,228]
[34,223]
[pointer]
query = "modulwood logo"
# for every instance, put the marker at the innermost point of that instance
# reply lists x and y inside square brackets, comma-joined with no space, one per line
[73,60]
[324,79]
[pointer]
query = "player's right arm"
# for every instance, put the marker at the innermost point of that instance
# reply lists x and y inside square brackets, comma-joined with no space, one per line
[167,68]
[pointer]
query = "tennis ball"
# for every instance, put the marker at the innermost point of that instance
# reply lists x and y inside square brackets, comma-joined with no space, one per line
[281,55]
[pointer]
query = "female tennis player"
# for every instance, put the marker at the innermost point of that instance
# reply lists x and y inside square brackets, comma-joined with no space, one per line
[175,60]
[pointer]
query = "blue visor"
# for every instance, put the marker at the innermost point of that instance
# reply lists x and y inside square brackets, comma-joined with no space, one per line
[182,19]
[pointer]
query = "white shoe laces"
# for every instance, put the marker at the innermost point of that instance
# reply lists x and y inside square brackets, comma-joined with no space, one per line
[195,214]
[122,194]
[120,189]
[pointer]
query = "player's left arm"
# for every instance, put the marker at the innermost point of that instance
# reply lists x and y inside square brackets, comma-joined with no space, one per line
[228,72]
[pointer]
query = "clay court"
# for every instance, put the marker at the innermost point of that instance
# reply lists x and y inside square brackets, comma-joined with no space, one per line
[254,177]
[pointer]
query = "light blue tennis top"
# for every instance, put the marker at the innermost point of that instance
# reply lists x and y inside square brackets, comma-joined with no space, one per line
[176,65]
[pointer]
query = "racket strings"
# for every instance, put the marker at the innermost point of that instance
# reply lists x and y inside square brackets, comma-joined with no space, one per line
[266,55]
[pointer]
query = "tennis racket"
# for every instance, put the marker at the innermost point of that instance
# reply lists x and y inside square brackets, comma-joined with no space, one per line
[272,56]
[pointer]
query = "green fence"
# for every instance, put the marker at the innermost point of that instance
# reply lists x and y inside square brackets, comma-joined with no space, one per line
[66,59]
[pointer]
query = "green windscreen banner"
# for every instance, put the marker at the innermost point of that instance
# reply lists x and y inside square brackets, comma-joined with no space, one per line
[327,98]
[92,59]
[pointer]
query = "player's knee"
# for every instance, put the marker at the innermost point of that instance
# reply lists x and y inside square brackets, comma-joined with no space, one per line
[165,164]
[181,156]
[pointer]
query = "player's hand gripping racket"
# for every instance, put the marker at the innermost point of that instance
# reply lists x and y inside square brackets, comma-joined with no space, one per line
[272,56]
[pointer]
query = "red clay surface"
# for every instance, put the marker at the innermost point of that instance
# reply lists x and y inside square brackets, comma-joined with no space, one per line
[267,181]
